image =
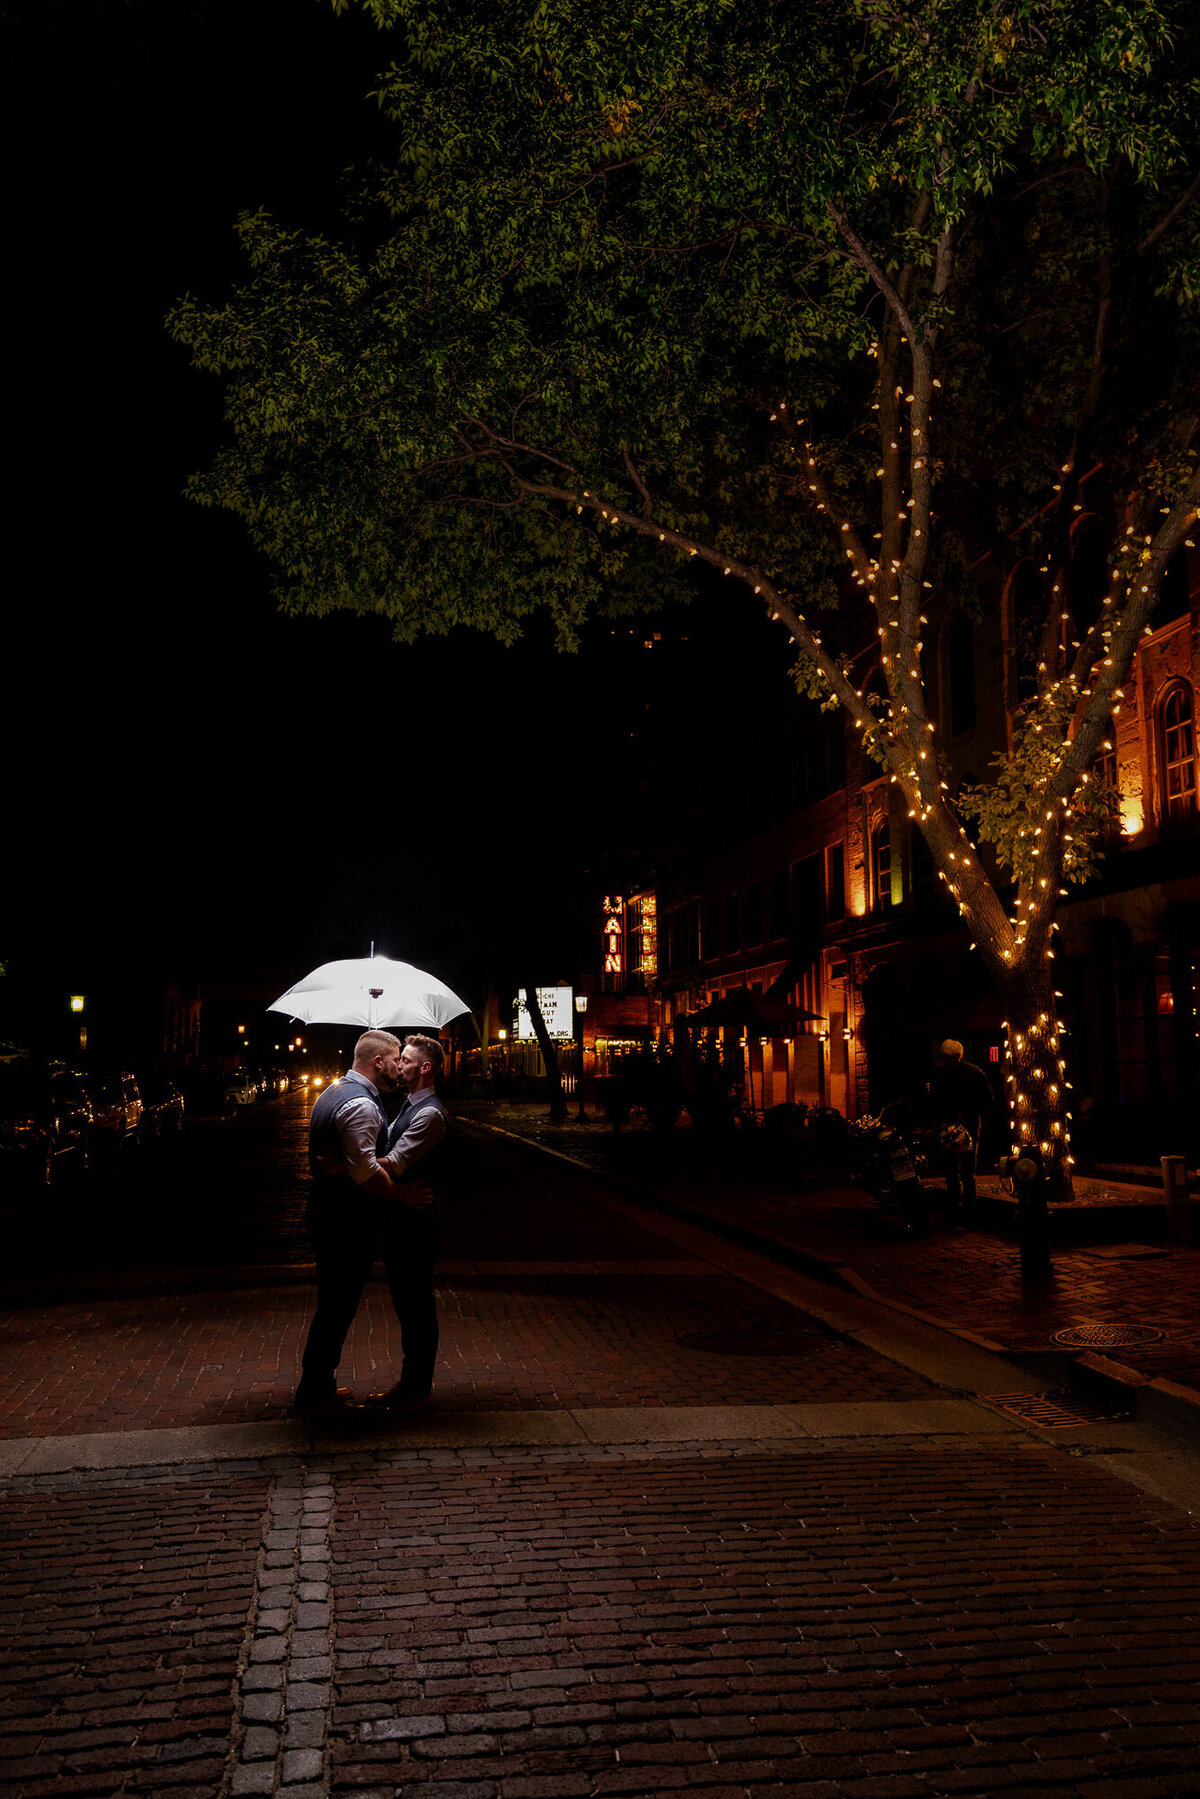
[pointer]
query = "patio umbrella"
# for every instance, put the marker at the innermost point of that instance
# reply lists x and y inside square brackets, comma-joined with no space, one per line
[374,993]
[754,1012]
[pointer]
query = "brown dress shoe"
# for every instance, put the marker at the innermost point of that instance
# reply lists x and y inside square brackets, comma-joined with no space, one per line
[327,1406]
[399,1399]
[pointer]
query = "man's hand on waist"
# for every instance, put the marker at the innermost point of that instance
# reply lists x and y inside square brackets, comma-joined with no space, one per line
[413,1194]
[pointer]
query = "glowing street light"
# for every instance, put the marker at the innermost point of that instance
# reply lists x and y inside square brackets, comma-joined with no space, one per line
[581,1004]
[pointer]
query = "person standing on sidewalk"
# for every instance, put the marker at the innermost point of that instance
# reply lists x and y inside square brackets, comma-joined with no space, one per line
[354,1202]
[961,1094]
[410,1236]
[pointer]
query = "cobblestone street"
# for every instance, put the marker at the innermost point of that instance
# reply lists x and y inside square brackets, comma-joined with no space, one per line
[668,1527]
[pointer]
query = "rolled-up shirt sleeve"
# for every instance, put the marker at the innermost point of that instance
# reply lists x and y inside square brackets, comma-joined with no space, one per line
[358,1127]
[423,1132]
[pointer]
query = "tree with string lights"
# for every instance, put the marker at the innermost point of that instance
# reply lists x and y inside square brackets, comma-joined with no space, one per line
[841,299]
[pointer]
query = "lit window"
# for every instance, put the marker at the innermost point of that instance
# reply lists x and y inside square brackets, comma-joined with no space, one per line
[881,858]
[1178,745]
[1105,768]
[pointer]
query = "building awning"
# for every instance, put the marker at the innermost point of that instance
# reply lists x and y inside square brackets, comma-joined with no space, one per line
[760,1013]
[797,967]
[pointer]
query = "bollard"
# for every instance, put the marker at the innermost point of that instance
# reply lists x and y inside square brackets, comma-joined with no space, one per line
[1033,1213]
[1178,1200]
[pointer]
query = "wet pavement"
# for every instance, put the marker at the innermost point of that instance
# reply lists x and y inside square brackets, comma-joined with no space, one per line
[681,1519]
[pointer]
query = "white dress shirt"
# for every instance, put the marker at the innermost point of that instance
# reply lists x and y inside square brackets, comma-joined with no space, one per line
[422,1131]
[359,1125]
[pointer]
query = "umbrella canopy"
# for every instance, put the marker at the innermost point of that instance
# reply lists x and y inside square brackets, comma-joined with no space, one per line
[374,993]
[755,1012]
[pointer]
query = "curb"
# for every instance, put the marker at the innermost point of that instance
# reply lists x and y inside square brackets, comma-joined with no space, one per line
[1164,1405]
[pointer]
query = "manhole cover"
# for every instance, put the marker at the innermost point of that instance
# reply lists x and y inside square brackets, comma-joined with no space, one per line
[1044,1411]
[756,1342]
[1107,1336]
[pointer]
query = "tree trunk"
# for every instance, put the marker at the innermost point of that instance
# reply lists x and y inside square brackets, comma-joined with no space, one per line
[554,1086]
[1035,1072]
[485,1040]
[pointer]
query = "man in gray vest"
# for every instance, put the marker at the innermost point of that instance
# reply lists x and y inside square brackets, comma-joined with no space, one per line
[417,1130]
[358,1204]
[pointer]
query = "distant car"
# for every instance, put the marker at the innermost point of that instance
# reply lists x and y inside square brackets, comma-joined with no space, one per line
[116,1109]
[282,1083]
[162,1108]
[45,1118]
[241,1090]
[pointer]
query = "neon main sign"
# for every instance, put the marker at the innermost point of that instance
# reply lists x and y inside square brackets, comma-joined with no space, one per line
[613,933]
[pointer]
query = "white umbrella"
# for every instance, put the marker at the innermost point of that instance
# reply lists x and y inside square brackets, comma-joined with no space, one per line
[372,992]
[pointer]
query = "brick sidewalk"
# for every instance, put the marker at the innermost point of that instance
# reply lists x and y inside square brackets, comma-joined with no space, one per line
[912,1621]
[970,1278]
[526,1337]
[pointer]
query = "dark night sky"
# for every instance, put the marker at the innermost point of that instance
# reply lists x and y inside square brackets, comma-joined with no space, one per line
[171,738]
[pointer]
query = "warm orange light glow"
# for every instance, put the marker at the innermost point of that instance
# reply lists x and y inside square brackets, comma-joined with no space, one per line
[1133,817]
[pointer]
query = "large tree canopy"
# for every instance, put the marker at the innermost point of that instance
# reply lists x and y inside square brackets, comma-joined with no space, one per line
[843,298]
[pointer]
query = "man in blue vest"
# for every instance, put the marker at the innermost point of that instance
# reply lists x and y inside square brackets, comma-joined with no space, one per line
[358,1205]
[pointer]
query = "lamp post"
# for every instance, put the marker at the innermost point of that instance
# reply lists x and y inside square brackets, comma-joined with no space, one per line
[581,1002]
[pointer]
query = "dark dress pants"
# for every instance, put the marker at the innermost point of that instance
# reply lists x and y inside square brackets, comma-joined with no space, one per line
[349,1229]
[960,1179]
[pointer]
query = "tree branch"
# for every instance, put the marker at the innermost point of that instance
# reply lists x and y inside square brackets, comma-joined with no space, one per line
[1165,223]
[647,502]
[805,638]
[867,262]
[1127,629]
[851,542]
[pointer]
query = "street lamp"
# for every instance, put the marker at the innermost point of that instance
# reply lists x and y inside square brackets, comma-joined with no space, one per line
[581,1005]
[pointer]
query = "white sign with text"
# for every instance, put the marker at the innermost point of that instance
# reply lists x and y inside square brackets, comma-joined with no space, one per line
[557,1006]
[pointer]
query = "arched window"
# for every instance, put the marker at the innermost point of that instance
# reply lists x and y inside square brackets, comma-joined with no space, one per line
[960,670]
[1177,753]
[881,865]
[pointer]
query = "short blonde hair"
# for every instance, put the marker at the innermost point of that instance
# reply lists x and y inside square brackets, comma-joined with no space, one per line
[952,1049]
[374,1043]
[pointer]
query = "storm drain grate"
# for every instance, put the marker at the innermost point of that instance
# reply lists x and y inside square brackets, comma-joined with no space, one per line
[757,1342]
[1044,1410]
[1107,1336]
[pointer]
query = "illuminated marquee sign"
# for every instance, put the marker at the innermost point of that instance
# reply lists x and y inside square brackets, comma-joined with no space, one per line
[646,924]
[613,933]
[557,1006]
